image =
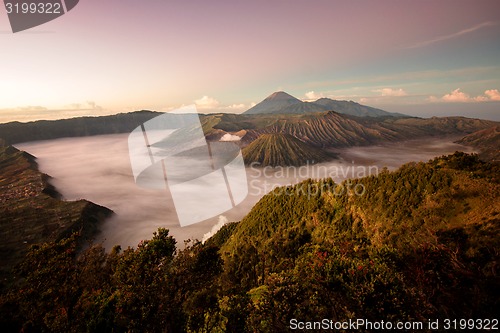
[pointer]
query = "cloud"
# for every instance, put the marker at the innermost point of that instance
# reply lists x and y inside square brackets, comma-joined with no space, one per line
[32,108]
[222,221]
[207,103]
[37,112]
[457,96]
[211,105]
[389,96]
[493,94]
[391,92]
[92,106]
[453,35]
[97,168]
[240,106]
[312,96]
[230,137]
[339,94]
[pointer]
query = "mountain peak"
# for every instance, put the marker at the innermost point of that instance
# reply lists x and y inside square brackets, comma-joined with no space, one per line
[281,102]
[281,95]
[274,103]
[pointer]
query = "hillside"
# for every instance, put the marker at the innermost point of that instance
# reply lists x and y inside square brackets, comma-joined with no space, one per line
[487,141]
[354,109]
[419,242]
[16,132]
[334,130]
[274,103]
[31,211]
[404,246]
[282,150]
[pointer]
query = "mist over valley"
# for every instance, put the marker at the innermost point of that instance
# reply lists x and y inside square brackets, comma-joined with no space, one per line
[97,168]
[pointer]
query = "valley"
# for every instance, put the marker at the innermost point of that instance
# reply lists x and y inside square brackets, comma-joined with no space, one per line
[349,206]
[98,169]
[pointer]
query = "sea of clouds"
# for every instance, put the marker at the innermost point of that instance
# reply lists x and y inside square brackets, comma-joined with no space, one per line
[98,169]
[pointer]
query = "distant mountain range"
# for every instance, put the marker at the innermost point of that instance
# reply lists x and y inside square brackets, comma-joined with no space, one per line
[306,126]
[15,132]
[282,103]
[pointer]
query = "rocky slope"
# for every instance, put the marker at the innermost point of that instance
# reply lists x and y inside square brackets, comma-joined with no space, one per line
[282,150]
[487,141]
[32,212]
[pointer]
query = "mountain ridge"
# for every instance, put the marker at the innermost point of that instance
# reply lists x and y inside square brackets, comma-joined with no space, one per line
[32,211]
[334,130]
[322,130]
[487,141]
[274,103]
[281,102]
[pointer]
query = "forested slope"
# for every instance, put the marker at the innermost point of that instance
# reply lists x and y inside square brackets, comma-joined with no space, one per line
[415,244]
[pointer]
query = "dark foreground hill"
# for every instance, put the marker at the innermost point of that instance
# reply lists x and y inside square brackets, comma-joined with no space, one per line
[416,244]
[31,211]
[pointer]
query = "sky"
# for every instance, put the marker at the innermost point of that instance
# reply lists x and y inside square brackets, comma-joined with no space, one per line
[423,58]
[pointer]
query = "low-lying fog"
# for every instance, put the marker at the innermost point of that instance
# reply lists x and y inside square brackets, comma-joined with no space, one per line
[98,169]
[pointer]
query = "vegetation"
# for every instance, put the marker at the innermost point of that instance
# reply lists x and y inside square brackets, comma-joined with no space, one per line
[32,212]
[417,243]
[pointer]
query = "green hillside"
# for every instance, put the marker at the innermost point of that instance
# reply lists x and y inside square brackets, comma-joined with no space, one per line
[415,244]
[419,243]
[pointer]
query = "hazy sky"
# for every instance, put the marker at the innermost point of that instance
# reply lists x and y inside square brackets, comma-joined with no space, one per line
[417,57]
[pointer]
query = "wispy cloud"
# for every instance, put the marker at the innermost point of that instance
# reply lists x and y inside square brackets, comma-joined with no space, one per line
[210,105]
[391,92]
[459,74]
[37,112]
[207,102]
[453,35]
